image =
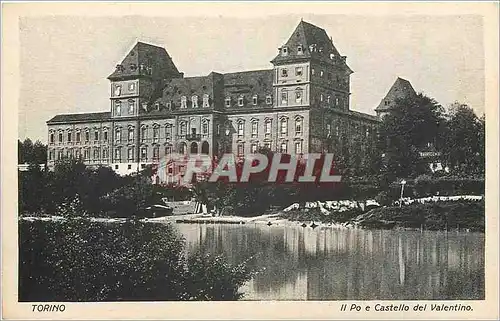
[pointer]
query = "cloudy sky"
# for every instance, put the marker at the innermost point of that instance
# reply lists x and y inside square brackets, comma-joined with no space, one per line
[64,60]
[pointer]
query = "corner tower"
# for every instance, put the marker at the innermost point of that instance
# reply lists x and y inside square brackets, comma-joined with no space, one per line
[139,78]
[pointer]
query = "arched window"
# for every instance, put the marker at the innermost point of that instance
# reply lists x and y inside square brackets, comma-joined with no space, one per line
[205,148]
[130,134]
[255,128]
[182,129]
[284,126]
[206,101]
[298,125]
[118,134]
[156,133]
[268,127]
[182,148]
[168,131]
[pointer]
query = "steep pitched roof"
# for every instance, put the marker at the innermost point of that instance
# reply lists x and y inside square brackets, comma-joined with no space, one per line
[145,60]
[81,117]
[401,88]
[248,84]
[314,43]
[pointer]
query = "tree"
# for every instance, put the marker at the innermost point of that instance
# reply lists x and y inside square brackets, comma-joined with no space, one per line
[412,125]
[30,153]
[463,148]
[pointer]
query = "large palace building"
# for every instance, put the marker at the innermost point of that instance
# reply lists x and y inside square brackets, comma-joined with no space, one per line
[300,105]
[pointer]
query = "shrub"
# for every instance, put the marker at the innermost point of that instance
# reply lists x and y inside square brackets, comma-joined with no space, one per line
[79,260]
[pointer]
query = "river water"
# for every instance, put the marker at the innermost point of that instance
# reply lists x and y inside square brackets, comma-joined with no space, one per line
[299,263]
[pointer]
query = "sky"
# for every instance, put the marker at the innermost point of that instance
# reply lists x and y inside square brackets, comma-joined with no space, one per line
[64,60]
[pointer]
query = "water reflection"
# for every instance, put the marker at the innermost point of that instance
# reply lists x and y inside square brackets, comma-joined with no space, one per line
[341,264]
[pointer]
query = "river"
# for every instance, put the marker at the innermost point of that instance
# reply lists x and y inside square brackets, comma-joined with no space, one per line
[299,263]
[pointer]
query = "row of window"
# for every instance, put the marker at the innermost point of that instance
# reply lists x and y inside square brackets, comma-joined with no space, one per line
[255,100]
[283,127]
[118,89]
[84,153]
[77,136]
[282,148]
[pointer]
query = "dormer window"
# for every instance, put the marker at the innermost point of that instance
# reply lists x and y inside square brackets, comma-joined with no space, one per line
[269,100]
[169,105]
[284,72]
[298,71]
[240,101]
[254,100]
[183,102]
[157,106]
[284,51]
[194,101]
[321,73]
[321,97]
[299,50]
[228,101]
[133,67]
[332,56]
[119,68]
[206,102]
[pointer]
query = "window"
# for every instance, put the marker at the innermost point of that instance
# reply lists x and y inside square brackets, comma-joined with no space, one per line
[96,135]
[283,147]
[321,73]
[60,137]
[96,153]
[312,71]
[118,90]
[299,50]
[156,153]
[87,135]
[144,133]
[255,126]
[284,51]
[298,126]
[130,134]
[218,129]
[321,98]
[284,97]
[298,147]
[118,153]
[105,153]
[168,150]
[86,153]
[69,137]
[267,127]
[241,149]
[228,101]
[328,99]
[116,166]
[156,134]
[68,153]
[204,128]
[130,154]
[328,130]
[182,129]
[118,108]
[194,101]
[78,153]
[337,101]
[131,107]
[183,102]
[60,154]
[284,72]
[144,153]
[118,134]
[253,148]
[298,95]
[168,131]
[240,101]
[105,135]
[269,100]
[51,139]
[284,126]
[254,100]
[267,145]
[51,155]
[169,105]
[78,137]
[129,166]
[241,128]
[298,71]
[206,101]
[131,87]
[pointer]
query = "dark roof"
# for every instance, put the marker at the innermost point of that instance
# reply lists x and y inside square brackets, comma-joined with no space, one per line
[85,117]
[145,60]
[315,44]
[248,84]
[401,88]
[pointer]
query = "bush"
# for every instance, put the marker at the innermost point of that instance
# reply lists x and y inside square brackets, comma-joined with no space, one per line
[79,260]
